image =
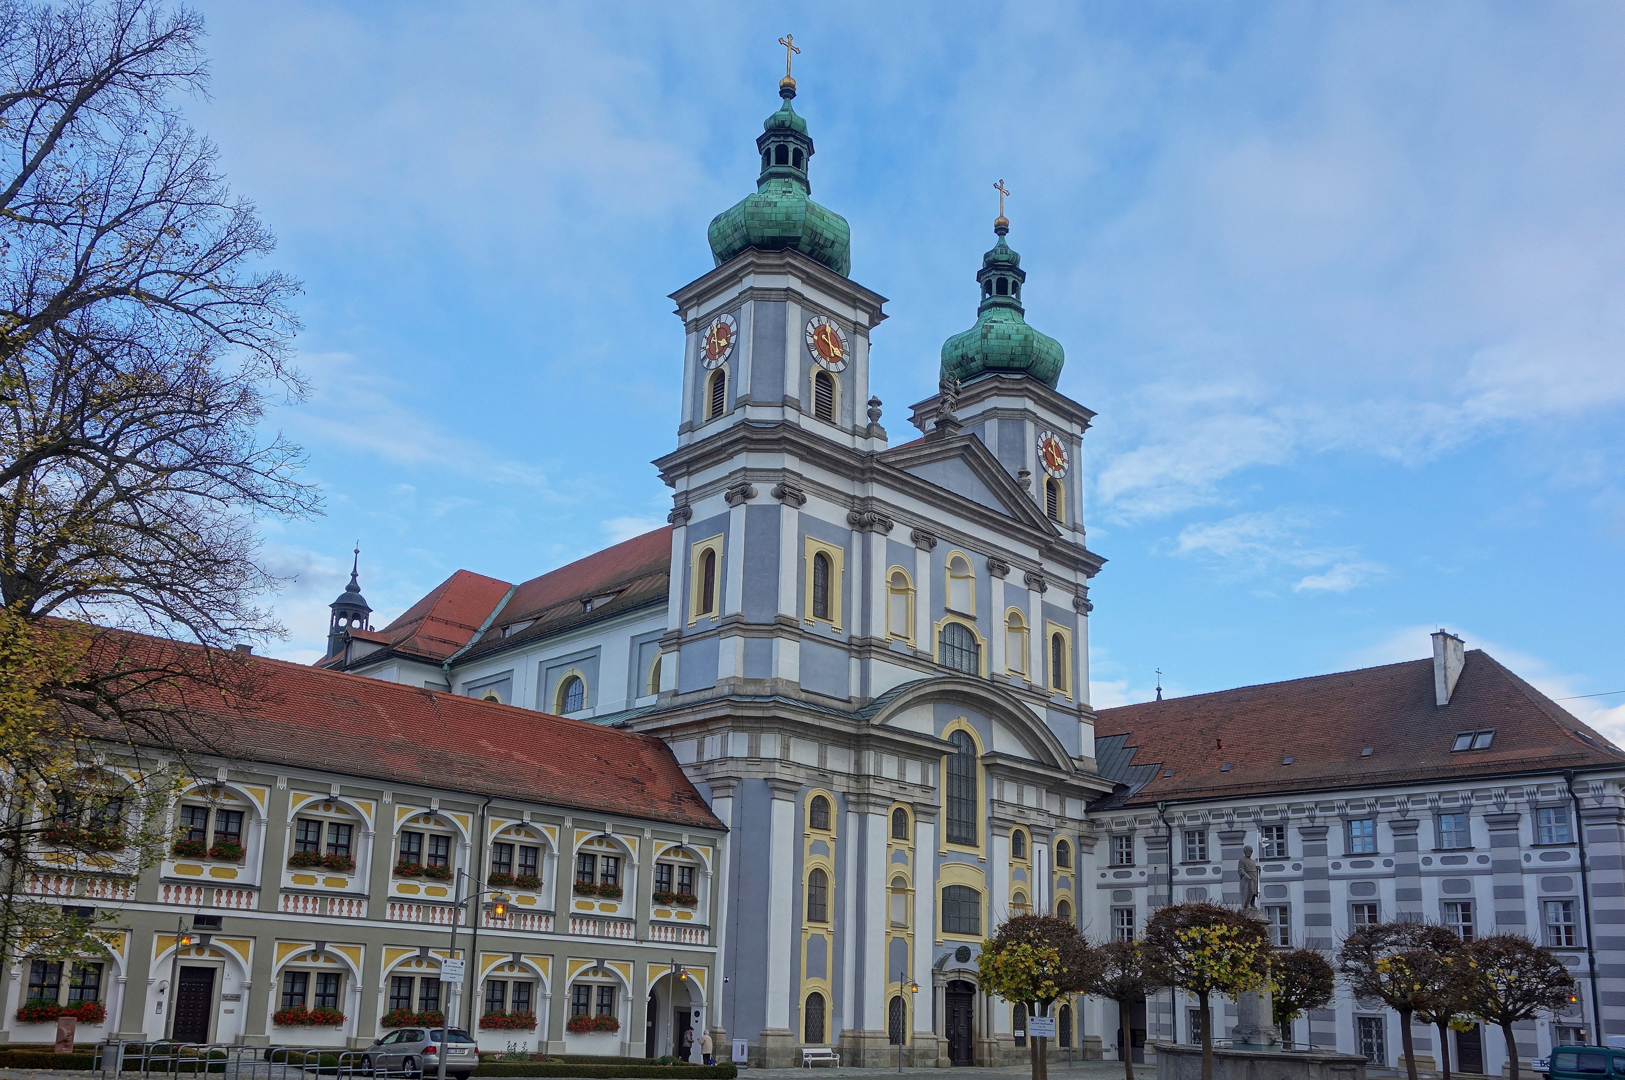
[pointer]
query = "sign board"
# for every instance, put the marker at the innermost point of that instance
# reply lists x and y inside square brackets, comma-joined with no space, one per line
[741,1051]
[451,971]
[1041,1027]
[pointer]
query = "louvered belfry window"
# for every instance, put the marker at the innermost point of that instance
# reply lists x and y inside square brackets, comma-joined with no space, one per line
[824,397]
[719,395]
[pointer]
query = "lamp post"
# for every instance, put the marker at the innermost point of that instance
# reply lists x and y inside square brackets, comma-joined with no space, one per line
[182,940]
[679,975]
[498,907]
[908,984]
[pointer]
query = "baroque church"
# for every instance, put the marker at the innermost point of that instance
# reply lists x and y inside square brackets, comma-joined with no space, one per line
[871,659]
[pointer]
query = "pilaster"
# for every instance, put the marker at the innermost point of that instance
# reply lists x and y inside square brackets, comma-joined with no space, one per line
[1407,868]
[1506,871]
[778,1037]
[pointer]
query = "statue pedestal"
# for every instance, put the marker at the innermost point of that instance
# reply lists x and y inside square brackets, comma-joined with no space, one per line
[1255,1022]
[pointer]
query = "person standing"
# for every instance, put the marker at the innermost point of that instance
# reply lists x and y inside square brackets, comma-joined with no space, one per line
[688,1044]
[706,1046]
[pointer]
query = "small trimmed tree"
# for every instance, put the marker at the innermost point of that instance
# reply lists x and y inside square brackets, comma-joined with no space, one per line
[1125,976]
[1447,979]
[1301,980]
[1511,979]
[1393,962]
[1034,960]
[1206,949]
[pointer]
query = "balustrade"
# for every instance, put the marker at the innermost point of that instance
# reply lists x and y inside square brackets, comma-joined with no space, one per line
[184,895]
[679,933]
[622,929]
[236,899]
[433,914]
[534,922]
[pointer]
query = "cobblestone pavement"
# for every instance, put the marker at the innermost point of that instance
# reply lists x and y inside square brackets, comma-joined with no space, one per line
[1082,1070]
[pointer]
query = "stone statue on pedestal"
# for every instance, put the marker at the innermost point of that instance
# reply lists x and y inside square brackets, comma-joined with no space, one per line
[1255,1013]
[1247,870]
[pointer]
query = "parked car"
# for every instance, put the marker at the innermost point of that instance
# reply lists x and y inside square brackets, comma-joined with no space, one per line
[1586,1063]
[414,1052]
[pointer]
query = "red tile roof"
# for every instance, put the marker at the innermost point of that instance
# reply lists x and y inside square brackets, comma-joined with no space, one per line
[630,574]
[444,620]
[283,714]
[1324,723]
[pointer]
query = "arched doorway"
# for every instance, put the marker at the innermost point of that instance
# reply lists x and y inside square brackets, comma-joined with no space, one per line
[671,1011]
[959,1007]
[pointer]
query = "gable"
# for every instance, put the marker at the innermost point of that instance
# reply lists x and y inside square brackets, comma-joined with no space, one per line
[962,465]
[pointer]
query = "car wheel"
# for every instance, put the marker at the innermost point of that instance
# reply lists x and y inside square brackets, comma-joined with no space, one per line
[410,1069]
[366,1065]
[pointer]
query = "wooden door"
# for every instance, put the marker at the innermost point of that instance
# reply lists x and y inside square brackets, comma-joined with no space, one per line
[959,1001]
[1470,1050]
[194,1005]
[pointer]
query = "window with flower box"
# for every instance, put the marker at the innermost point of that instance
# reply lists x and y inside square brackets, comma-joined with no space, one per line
[208,832]
[423,854]
[295,988]
[318,842]
[674,884]
[503,866]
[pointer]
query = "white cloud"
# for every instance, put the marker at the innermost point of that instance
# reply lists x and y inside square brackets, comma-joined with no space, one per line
[625,528]
[1262,543]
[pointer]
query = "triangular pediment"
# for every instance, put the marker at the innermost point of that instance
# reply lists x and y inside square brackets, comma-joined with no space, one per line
[963,465]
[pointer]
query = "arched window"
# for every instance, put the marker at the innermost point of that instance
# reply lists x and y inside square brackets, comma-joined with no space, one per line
[767,158]
[1063,1027]
[899,605]
[708,582]
[654,675]
[960,649]
[717,394]
[987,287]
[824,396]
[899,902]
[572,694]
[1063,854]
[899,824]
[961,910]
[1019,905]
[797,160]
[1063,910]
[1057,662]
[781,155]
[1018,844]
[1053,505]
[961,795]
[818,813]
[894,1020]
[961,585]
[1015,642]
[820,588]
[813,1028]
[1003,288]
[817,896]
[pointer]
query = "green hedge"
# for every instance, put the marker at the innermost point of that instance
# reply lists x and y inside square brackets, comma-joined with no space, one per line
[723,1071]
[44,1059]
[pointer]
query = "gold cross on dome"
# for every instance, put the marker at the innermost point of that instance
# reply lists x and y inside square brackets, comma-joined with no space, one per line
[789,43]
[1003,191]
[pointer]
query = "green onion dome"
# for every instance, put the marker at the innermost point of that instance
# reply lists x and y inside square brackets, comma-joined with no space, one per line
[1001,340]
[780,215]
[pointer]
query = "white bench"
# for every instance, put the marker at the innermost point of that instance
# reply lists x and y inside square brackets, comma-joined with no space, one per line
[812,1055]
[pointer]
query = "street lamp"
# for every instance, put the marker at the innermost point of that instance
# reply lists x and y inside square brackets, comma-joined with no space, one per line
[497,906]
[183,940]
[912,987]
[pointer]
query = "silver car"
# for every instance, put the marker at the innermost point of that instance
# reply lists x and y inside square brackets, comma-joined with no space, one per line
[414,1052]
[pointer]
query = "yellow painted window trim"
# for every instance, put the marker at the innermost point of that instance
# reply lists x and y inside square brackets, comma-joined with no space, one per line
[1024,632]
[835,395]
[558,690]
[908,591]
[721,372]
[1027,846]
[981,642]
[806,815]
[651,680]
[696,578]
[837,578]
[944,845]
[948,577]
[1050,630]
[1060,499]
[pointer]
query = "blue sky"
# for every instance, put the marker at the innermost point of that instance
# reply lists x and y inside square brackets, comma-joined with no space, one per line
[1343,282]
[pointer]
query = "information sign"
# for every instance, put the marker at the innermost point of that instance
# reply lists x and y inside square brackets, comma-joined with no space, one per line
[451,971]
[1041,1027]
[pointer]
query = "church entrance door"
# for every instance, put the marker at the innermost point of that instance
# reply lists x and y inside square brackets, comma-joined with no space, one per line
[959,1000]
[651,1018]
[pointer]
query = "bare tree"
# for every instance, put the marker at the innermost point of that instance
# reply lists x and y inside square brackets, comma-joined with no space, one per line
[137,349]
[1393,962]
[1515,980]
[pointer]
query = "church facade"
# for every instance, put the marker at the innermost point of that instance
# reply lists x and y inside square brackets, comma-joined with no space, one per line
[872,661]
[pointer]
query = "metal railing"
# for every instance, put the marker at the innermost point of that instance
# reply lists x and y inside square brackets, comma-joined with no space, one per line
[232,1061]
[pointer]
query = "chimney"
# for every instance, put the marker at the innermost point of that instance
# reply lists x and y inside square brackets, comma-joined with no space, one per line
[1448,659]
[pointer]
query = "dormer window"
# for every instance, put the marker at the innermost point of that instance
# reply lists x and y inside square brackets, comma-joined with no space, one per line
[1473,740]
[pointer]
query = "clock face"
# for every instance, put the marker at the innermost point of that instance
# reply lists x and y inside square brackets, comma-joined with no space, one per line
[1052,453]
[827,343]
[718,343]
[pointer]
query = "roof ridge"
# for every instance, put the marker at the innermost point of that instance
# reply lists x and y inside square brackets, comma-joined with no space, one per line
[1260,685]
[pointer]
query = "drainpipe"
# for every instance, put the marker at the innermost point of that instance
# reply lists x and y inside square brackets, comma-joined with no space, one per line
[1173,994]
[474,913]
[1585,894]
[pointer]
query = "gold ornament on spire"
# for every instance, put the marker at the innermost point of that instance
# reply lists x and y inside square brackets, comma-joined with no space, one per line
[1001,221]
[789,43]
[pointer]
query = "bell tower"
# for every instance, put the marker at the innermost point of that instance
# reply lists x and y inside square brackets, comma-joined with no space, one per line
[350,610]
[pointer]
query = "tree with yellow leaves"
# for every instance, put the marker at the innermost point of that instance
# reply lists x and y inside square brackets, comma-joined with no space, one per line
[1396,962]
[1206,949]
[1034,960]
